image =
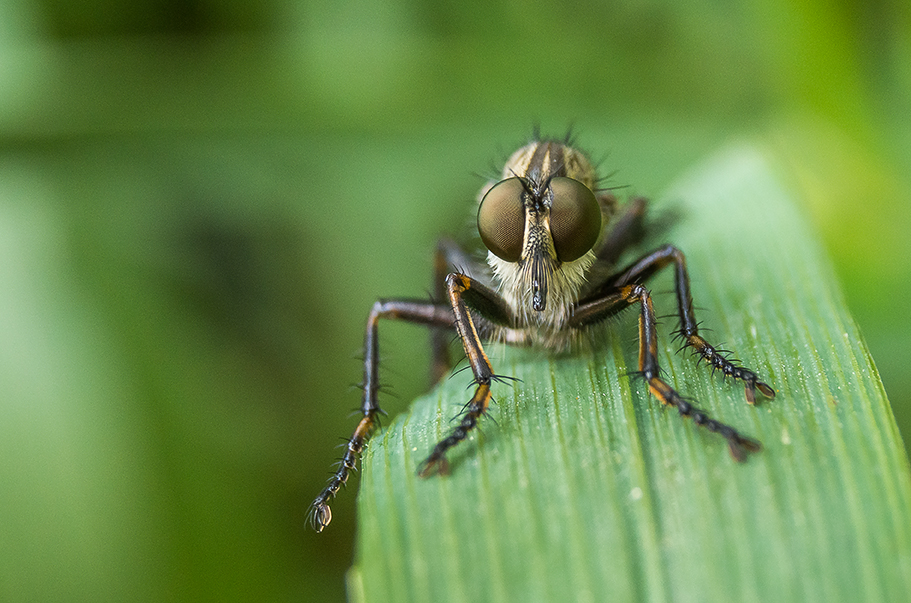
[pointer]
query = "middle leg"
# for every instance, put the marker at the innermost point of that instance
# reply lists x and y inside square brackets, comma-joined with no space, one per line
[611,303]
[643,268]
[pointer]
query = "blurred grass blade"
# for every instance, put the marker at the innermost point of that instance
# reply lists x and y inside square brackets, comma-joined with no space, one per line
[585,489]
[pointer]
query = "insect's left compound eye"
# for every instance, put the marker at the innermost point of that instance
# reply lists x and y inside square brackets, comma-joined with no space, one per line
[501,219]
[575,218]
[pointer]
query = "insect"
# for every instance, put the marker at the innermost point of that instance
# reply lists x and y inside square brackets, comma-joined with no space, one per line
[553,240]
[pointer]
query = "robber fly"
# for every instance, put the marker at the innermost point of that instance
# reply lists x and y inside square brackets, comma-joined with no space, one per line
[552,240]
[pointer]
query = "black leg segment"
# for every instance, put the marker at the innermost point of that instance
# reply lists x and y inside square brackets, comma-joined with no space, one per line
[463,290]
[415,311]
[646,266]
[448,257]
[626,296]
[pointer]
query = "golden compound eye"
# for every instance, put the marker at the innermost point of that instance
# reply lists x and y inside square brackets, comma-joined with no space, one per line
[575,218]
[501,219]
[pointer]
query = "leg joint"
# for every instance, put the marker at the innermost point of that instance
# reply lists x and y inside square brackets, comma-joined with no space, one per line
[456,280]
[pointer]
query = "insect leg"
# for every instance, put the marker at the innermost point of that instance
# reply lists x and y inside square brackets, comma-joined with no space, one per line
[462,289]
[448,257]
[596,310]
[650,263]
[420,312]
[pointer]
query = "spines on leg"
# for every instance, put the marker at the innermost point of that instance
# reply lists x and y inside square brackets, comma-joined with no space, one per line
[436,461]
[738,444]
[729,368]
[320,514]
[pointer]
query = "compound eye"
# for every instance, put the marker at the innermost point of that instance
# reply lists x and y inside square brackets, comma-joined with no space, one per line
[575,218]
[501,219]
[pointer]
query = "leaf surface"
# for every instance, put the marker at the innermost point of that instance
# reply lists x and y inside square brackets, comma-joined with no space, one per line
[585,488]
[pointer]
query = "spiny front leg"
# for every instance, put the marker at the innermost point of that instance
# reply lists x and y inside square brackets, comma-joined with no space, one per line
[436,462]
[738,444]
[689,329]
[434,315]
[610,302]
[459,288]
[448,257]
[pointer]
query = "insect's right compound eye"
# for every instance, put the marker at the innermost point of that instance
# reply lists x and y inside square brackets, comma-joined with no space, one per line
[501,219]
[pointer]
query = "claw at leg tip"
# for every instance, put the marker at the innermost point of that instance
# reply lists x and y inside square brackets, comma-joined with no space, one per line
[751,396]
[741,449]
[433,466]
[321,515]
[763,388]
[766,390]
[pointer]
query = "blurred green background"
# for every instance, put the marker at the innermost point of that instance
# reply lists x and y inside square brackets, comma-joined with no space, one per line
[200,200]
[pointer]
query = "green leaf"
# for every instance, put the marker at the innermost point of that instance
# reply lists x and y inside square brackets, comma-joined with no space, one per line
[586,489]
